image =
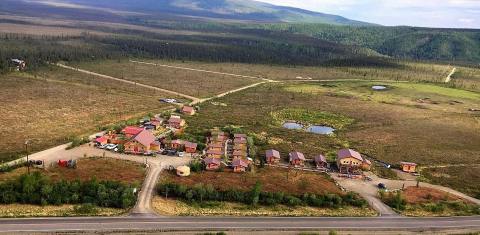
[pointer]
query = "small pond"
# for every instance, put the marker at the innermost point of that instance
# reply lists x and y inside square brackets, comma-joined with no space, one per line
[293,126]
[321,130]
[379,88]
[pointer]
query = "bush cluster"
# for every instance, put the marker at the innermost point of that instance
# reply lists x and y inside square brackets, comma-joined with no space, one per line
[256,196]
[39,190]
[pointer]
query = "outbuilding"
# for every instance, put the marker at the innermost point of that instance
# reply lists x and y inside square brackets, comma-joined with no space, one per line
[409,167]
[272,156]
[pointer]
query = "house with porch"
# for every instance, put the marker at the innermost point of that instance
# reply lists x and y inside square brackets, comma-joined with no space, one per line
[176,122]
[351,162]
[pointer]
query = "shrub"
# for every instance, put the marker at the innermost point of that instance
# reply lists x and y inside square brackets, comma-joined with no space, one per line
[196,166]
[85,209]
[77,141]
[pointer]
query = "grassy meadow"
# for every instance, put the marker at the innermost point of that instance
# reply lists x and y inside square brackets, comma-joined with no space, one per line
[53,105]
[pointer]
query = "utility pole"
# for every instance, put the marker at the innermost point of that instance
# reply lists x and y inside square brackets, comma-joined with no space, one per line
[28,162]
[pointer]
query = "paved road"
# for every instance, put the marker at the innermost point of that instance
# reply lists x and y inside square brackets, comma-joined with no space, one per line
[236,223]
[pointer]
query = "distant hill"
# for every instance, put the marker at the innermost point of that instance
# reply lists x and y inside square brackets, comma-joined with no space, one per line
[244,10]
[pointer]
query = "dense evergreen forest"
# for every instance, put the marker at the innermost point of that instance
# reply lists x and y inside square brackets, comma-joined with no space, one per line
[455,45]
[288,51]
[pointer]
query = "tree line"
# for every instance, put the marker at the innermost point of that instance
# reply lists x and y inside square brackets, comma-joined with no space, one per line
[201,193]
[37,189]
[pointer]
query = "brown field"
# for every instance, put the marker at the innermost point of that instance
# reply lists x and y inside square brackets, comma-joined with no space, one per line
[54,105]
[272,180]
[415,195]
[389,131]
[39,30]
[179,208]
[100,168]
[406,71]
[463,178]
[197,84]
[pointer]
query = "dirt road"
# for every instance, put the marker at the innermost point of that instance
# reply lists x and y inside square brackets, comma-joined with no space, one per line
[449,77]
[129,82]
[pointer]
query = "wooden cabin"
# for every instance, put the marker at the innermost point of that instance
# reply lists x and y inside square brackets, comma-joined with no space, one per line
[296,159]
[349,162]
[144,142]
[272,156]
[239,165]
[212,164]
[190,147]
[321,162]
[408,167]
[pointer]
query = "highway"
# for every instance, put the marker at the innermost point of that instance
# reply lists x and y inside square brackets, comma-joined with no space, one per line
[151,223]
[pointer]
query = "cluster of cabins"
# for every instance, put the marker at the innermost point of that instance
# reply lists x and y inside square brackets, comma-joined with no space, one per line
[349,161]
[142,139]
[221,147]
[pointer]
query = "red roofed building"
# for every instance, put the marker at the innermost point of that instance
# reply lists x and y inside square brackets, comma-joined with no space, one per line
[190,147]
[176,122]
[101,140]
[272,156]
[350,161]
[188,110]
[296,159]
[212,164]
[144,142]
[239,165]
[176,144]
[131,131]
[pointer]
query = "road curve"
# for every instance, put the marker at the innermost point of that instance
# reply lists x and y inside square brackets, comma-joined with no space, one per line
[237,224]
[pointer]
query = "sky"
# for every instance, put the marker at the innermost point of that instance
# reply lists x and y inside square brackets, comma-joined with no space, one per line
[424,13]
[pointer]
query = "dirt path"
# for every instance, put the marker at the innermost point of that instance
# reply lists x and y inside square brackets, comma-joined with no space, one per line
[129,82]
[449,77]
[367,190]
[197,70]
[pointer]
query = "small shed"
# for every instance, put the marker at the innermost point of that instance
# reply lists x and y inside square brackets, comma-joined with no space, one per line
[272,156]
[188,110]
[409,167]
[212,164]
[239,165]
[296,158]
[321,162]
[183,171]
[190,147]
[102,140]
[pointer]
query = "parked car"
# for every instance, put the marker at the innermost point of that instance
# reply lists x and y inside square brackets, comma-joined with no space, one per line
[170,101]
[102,146]
[181,154]
[111,146]
[165,152]
[172,152]
[381,186]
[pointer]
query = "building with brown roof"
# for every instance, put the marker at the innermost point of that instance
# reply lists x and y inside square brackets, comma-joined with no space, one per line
[350,162]
[190,147]
[272,156]
[188,110]
[212,164]
[321,162]
[296,159]
[143,142]
[176,122]
[239,165]
[215,153]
